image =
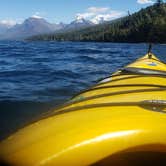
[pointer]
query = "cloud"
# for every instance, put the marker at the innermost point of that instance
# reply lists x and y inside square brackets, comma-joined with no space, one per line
[8,22]
[98,14]
[144,1]
[106,17]
[84,15]
[98,9]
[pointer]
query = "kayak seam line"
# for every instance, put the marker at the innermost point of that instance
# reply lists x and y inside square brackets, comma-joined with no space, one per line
[91,106]
[123,85]
[137,76]
[118,79]
[152,59]
[111,94]
[142,71]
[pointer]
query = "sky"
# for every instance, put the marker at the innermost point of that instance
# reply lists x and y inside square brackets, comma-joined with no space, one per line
[55,11]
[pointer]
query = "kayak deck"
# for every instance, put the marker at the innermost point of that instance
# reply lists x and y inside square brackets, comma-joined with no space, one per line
[121,114]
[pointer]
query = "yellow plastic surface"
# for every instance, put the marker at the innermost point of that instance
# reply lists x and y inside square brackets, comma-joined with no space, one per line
[85,136]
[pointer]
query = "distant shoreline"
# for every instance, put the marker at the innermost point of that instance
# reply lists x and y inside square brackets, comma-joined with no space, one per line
[81,42]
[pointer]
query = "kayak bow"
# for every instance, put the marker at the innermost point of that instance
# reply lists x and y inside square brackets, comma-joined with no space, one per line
[119,121]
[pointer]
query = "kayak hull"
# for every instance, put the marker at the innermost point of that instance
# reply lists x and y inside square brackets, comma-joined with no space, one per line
[123,114]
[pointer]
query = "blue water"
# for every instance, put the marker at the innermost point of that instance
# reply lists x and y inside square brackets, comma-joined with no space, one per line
[37,76]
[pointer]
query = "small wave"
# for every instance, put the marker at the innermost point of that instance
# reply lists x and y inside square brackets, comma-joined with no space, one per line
[86,58]
[87,51]
[16,73]
[65,74]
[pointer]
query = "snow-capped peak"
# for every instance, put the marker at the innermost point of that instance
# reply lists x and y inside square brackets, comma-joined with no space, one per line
[79,19]
[98,20]
[36,16]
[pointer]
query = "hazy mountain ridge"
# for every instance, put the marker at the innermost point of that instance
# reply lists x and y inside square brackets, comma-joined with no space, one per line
[31,26]
[4,27]
[36,26]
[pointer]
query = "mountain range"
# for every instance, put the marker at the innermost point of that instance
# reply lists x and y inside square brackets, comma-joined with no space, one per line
[78,23]
[146,25]
[4,27]
[36,25]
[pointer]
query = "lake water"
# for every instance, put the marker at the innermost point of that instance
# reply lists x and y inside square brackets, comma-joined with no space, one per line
[37,76]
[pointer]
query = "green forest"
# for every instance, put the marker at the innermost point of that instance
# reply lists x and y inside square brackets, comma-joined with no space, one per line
[146,25]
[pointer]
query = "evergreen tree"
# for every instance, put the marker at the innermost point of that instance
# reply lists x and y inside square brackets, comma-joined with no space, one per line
[159,2]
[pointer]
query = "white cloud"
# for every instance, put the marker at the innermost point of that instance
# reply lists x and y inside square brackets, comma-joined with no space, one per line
[98,9]
[8,22]
[84,15]
[144,1]
[98,14]
[106,17]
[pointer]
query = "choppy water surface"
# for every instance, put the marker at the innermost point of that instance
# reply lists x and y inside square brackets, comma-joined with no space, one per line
[37,76]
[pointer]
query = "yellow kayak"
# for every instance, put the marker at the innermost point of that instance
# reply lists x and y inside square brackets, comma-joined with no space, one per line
[119,121]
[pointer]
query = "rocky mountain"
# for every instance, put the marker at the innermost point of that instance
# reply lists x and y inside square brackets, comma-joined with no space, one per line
[78,23]
[31,26]
[4,27]
[36,25]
